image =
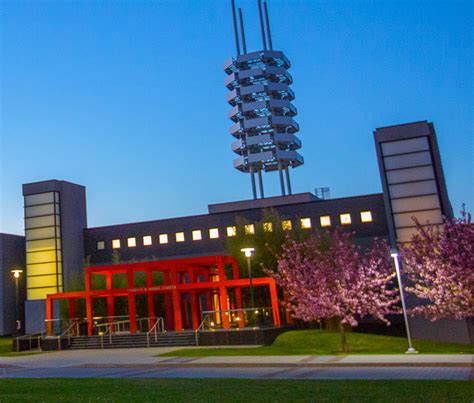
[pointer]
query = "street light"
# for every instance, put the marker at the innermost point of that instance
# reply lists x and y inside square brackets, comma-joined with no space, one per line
[16,275]
[394,255]
[248,254]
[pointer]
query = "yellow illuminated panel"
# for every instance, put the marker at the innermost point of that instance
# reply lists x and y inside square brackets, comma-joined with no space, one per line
[249,229]
[197,236]
[41,233]
[286,225]
[345,218]
[163,238]
[43,245]
[42,268]
[231,231]
[132,242]
[42,281]
[305,223]
[267,226]
[147,240]
[115,243]
[180,237]
[366,216]
[213,233]
[43,257]
[40,293]
[325,221]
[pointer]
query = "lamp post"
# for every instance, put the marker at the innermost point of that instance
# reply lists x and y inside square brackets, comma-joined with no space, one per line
[16,275]
[248,254]
[394,255]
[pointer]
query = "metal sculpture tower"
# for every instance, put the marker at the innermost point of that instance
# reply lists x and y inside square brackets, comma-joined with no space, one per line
[262,112]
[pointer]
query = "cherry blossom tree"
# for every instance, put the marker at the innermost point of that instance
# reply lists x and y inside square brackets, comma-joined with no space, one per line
[328,275]
[439,265]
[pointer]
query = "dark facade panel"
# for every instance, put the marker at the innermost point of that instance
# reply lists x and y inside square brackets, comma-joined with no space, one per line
[12,257]
[207,246]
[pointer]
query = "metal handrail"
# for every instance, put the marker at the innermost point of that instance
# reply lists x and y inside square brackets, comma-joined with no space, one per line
[30,337]
[159,321]
[200,327]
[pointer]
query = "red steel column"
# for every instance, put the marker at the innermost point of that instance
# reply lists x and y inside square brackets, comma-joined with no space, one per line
[168,301]
[49,316]
[89,315]
[132,309]
[223,295]
[178,322]
[194,309]
[275,307]
[110,298]
[149,298]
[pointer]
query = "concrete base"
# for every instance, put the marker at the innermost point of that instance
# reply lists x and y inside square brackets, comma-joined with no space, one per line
[443,330]
[240,337]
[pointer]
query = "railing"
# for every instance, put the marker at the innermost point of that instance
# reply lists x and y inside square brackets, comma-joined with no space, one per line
[159,326]
[200,328]
[32,339]
[237,319]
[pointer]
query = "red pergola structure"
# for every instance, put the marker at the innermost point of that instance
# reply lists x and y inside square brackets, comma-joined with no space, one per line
[182,277]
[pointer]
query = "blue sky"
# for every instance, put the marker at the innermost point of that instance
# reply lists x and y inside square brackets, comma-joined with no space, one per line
[127,97]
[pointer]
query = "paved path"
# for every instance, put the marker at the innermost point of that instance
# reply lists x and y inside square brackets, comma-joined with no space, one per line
[133,363]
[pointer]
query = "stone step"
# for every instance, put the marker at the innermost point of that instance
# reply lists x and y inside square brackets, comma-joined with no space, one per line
[169,339]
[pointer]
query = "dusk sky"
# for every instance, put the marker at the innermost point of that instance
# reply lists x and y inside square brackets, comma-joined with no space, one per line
[127,97]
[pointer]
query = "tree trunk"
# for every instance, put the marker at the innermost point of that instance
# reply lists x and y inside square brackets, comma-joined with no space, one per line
[343,337]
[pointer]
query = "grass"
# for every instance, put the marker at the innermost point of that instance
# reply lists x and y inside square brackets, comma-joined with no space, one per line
[233,390]
[317,342]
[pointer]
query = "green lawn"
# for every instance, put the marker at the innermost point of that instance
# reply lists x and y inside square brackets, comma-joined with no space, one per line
[317,342]
[228,390]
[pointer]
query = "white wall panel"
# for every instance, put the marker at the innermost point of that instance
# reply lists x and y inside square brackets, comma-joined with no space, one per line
[408,160]
[405,146]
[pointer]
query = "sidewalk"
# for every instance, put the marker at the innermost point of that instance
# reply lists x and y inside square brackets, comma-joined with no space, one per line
[145,358]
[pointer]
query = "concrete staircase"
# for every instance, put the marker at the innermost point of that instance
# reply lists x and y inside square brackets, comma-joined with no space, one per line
[169,339]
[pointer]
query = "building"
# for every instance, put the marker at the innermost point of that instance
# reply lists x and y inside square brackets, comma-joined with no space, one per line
[58,243]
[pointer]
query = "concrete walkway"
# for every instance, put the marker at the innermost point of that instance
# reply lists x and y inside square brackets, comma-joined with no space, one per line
[143,363]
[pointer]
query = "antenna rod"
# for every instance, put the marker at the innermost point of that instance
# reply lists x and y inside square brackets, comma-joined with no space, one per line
[262,28]
[265,9]
[236,33]
[241,19]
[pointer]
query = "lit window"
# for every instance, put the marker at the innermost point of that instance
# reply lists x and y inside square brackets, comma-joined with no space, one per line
[305,223]
[147,240]
[231,231]
[286,225]
[249,229]
[345,218]
[163,238]
[131,242]
[197,236]
[116,244]
[366,216]
[180,237]
[213,233]
[325,221]
[268,226]
[100,245]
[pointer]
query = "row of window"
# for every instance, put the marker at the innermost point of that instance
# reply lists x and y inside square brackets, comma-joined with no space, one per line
[196,235]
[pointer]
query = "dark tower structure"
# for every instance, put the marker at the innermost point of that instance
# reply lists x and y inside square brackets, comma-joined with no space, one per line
[262,109]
